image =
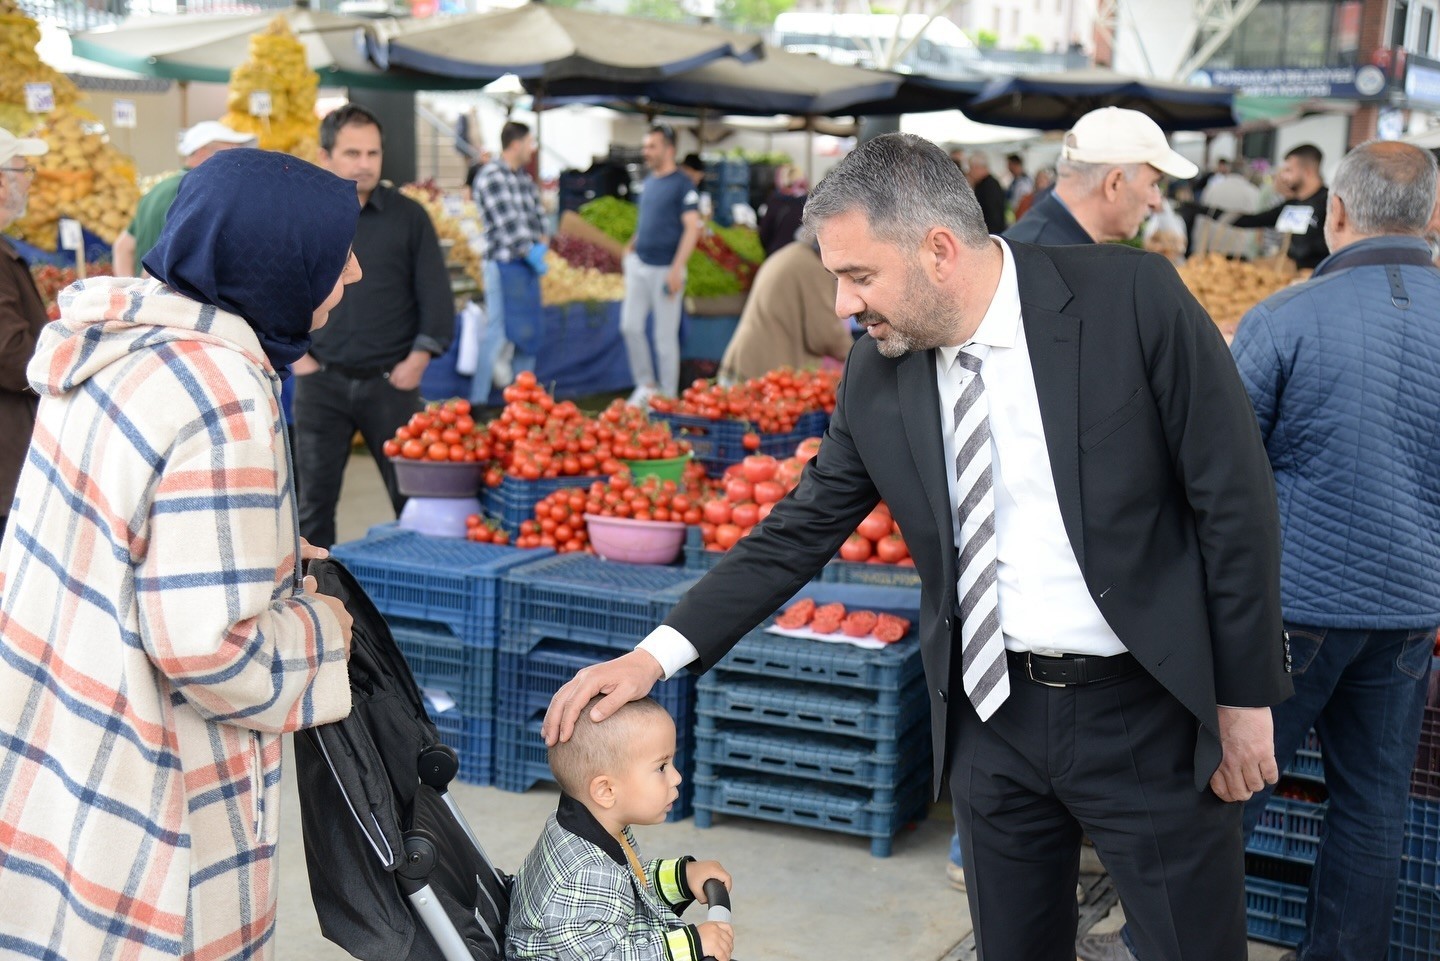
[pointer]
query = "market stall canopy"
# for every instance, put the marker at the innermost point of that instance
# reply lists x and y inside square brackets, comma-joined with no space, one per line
[207,48]
[920,94]
[778,83]
[1056,101]
[549,43]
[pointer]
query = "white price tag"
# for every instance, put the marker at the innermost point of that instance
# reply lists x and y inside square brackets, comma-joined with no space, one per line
[260,103]
[123,115]
[1295,219]
[71,237]
[39,97]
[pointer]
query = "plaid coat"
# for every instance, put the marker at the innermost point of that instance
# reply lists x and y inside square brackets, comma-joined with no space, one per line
[153,646]
[576,899]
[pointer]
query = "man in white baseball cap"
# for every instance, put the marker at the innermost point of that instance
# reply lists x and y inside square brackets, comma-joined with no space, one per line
[22,314]
[200,143]
[1110,169]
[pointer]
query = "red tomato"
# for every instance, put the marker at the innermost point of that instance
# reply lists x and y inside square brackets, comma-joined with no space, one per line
[765,510]
[726,535]
[891,549]
[876,525]
[858,623]
[856,549]
[412,449]
[769,491]
[759,467]
[745,515]
[808,448]
[738,490]
[391,448]
[751,441]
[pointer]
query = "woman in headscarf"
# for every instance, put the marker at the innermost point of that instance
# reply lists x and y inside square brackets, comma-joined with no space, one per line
[156,635]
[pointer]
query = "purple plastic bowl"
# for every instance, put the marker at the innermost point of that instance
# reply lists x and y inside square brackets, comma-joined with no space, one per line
[635,542]
[437,478]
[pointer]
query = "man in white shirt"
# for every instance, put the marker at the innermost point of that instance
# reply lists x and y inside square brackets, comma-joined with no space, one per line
[1063,437]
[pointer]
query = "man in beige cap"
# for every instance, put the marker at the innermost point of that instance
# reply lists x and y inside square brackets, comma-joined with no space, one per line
[1109,170]
[22,314]
[200,143]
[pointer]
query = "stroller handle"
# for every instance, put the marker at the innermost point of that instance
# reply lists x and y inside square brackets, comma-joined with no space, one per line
[718,898]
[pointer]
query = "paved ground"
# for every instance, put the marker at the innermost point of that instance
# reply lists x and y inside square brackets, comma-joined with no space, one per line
[800,894]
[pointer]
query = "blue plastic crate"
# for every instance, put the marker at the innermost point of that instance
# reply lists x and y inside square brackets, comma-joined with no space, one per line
[722,696]
[828,759]
[1415,930]
[1308,764]
[1421,862]
[877,575]
[528,680]
[473,739]
[441,661]
[787,801]
[719,443]
[580,597]
[1274,911]
[1288,829]
[513,502]
[1425,778]
[442,580]
[521,763]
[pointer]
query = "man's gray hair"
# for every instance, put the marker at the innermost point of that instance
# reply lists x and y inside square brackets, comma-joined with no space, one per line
[1088,176]
[906,186]
[1387,187]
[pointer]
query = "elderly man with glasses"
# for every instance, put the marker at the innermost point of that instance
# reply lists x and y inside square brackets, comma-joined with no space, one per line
[22,314]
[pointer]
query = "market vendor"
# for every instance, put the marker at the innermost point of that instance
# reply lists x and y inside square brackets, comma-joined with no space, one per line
[789,318]
[200,143]
[22,314]
[1301,214]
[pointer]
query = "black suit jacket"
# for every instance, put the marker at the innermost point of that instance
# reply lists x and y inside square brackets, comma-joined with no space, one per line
[991,197]
[1048,222]
[1162,478]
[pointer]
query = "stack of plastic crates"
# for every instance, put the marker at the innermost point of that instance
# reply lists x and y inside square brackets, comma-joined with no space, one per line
[441,598]
[1282,850]
[566,613]
[824,735]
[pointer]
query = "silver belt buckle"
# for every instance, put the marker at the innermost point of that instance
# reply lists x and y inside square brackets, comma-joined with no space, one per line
[1030,672]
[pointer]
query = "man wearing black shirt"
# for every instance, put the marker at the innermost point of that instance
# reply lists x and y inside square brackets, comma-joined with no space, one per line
[1300,181]
[988,192]
[364,368]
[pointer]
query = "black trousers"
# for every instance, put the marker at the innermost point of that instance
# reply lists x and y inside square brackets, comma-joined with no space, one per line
[1112,760]
[329,408]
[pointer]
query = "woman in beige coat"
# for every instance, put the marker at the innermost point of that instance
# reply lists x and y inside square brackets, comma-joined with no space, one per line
[789,319]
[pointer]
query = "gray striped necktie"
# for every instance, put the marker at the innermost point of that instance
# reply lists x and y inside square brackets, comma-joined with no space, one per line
[987,682]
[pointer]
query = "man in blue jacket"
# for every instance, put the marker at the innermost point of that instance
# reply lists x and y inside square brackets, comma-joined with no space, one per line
[1342,373]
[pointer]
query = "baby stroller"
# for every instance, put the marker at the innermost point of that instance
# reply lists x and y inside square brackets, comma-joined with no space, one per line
[385,843]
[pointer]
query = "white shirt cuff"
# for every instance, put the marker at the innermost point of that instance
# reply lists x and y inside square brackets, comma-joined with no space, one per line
[669,647]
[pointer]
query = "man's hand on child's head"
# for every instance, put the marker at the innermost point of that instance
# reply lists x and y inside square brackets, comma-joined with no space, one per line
[698,872]
[717,940]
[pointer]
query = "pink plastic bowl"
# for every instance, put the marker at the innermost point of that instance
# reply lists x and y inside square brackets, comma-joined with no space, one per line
[635,542]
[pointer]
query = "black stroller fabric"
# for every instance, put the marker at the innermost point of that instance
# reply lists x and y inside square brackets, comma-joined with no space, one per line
[361,796]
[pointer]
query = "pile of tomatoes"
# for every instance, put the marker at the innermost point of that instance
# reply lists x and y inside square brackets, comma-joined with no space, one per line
[560,518]
[535,436]
[773,403]
[484,531]
[750,489]
[443,431]
[829,618]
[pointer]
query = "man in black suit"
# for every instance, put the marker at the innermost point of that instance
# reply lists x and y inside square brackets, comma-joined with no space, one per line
[988,192]
[1109,175]
[1063,437]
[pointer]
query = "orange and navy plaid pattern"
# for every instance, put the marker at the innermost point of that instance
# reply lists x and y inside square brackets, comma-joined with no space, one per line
[153,641]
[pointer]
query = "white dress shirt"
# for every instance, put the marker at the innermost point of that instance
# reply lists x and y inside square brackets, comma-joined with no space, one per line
[1045,606]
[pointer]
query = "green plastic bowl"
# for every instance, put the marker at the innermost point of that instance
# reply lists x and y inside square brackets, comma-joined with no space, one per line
[671,468]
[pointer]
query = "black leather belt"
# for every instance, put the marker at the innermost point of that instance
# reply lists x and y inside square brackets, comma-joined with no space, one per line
[357,373]
[1072,670]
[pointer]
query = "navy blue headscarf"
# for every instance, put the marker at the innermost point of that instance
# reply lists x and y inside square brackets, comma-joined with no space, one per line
[262,235]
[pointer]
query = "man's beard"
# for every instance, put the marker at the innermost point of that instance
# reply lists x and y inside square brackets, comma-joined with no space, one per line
[929,319]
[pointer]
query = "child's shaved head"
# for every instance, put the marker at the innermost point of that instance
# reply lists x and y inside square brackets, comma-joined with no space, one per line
[603,748]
